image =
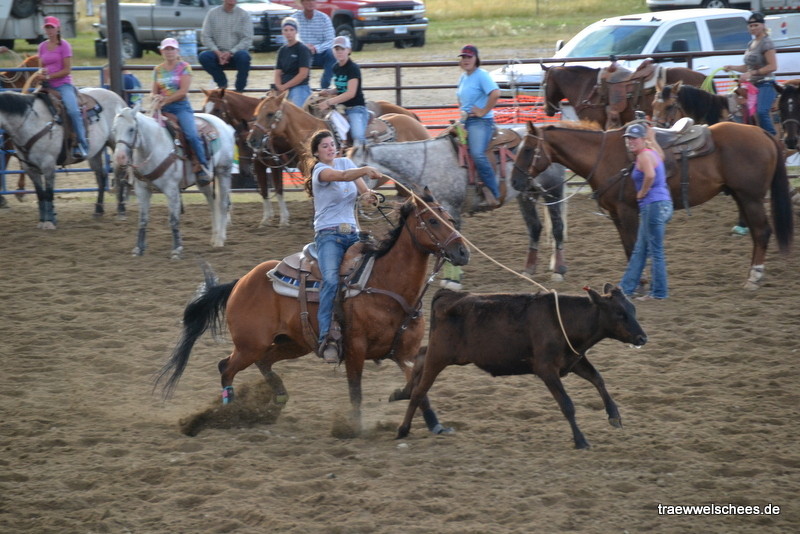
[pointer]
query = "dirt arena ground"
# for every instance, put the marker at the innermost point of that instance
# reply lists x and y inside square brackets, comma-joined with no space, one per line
[709,405]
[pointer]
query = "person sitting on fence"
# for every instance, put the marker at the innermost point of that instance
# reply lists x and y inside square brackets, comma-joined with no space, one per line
[228,35]
[316,30]
[129,83]
[293,64]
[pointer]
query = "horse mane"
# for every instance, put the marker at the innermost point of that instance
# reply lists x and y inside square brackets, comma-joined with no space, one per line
[15,103]
[405,209]
[700,104]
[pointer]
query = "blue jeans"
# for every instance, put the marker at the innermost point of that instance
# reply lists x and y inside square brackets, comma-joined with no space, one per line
[299,94]
[240,62]
[358,117]
[331,246]
[69,97]
[653,219]
[766,97]
[183,111]
[479,133]
[326,61]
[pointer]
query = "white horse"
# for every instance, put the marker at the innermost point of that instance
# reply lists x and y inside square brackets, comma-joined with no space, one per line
[435,163]
[146,150]
[39,143]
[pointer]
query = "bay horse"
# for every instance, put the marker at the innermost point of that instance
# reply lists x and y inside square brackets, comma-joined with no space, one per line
[435,163]
[40,146]
[579,85]
[674,101]
[382,321]
[282,129]
[238,110]
[746,162]
[789,108]
[146,150]
[376,107]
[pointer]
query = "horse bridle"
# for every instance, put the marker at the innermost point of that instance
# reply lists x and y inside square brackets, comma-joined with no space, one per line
[422,226]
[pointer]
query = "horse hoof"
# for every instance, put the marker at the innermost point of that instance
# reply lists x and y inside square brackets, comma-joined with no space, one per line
[557,277]
[48,225]
[398,395]
[751,286]
[137,251]
[442,430]
[616,422]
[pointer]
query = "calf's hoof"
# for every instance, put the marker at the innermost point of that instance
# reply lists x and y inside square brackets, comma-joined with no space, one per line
[442,430]
[582,445]
[616,422]
[402,432]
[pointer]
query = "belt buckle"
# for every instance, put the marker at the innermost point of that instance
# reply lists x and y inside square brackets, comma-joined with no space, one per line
[345,228]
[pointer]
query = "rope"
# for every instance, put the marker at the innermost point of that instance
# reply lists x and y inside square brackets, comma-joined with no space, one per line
[18,63]
[708,83]
[502,266]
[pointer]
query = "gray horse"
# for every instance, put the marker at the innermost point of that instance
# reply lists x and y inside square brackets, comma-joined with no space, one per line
[39,143]
[435,163]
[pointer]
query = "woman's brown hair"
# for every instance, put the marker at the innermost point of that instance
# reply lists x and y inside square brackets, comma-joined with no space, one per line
[310,159]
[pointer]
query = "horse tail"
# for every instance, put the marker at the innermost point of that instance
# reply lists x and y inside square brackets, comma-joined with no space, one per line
[206,310]
[782,216]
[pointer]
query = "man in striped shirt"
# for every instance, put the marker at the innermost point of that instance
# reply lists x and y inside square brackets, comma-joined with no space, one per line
[228,35]
[316,32]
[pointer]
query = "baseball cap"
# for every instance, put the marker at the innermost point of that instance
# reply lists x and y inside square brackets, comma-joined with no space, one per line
[342,41]
[637,131]
[52,21]
[756,17]
[469,51]
[168,42]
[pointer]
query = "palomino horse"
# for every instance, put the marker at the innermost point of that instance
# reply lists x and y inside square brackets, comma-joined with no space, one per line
[382,321]
[238,110]
[789,108]
[376,107]
[40,144]
[435,163]
[579,85]
[146,150]
[746,162]
[678,100]
[282,129]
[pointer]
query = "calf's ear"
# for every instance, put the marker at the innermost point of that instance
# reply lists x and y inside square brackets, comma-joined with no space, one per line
[593,295]
[608,288]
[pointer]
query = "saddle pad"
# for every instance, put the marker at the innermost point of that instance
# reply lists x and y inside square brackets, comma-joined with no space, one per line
[287,274]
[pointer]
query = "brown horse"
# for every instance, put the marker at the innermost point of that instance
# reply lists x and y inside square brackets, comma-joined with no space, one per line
[238,110]
[578,85]
[376,107]
[673,101]
[283,129]
[382,321]
[746,162]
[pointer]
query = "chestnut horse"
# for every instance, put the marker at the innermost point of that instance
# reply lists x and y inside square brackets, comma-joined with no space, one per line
[238,110]
[382,321]
[376,107]
[673,101]
[746,162]
[578,85]
[282,129]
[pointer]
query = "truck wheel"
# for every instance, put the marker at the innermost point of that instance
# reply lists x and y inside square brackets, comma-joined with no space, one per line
[130,46]
[348,31]
[8,43]
[22,9]
[419,41]
[713,4]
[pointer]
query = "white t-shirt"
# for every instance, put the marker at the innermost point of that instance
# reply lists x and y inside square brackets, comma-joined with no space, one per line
[333,201]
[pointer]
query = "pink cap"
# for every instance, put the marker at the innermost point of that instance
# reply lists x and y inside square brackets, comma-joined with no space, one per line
[52,21]
[166,43]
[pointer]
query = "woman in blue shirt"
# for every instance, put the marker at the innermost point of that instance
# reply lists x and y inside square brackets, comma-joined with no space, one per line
[477,94]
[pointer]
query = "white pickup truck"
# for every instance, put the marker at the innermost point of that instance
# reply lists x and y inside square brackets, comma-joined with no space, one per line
[685,30]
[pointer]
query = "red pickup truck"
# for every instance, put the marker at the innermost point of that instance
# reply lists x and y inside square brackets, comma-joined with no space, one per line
[402,22]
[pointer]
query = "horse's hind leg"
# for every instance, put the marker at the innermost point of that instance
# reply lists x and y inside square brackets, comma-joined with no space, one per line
[755,216]
[230,366]
[527,206]
[143,195]
[559,265]
[173,194]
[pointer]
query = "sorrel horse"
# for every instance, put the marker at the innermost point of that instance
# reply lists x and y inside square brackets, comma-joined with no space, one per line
[382,321]
[579,85]
[17,78]
[746,162]
[40,147]
[789,108]
[376,107]
[282,129]
[238,110]
[147,151]
[673,101]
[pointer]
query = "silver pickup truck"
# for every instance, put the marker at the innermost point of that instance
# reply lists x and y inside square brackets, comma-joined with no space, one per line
[145,25]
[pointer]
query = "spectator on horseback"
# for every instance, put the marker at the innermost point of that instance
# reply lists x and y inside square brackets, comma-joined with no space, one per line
[335,183]
[316,29]
[293,65]
[171,82]
[760,62]
[655,211]
[55,56]
[228,35]
[477,94]
[347,79]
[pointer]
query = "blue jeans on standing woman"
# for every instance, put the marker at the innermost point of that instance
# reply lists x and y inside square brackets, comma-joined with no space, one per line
[653,219]
[479,133]
[69,97]
[331,246]
[183,110]
[765,99]
[358,117]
